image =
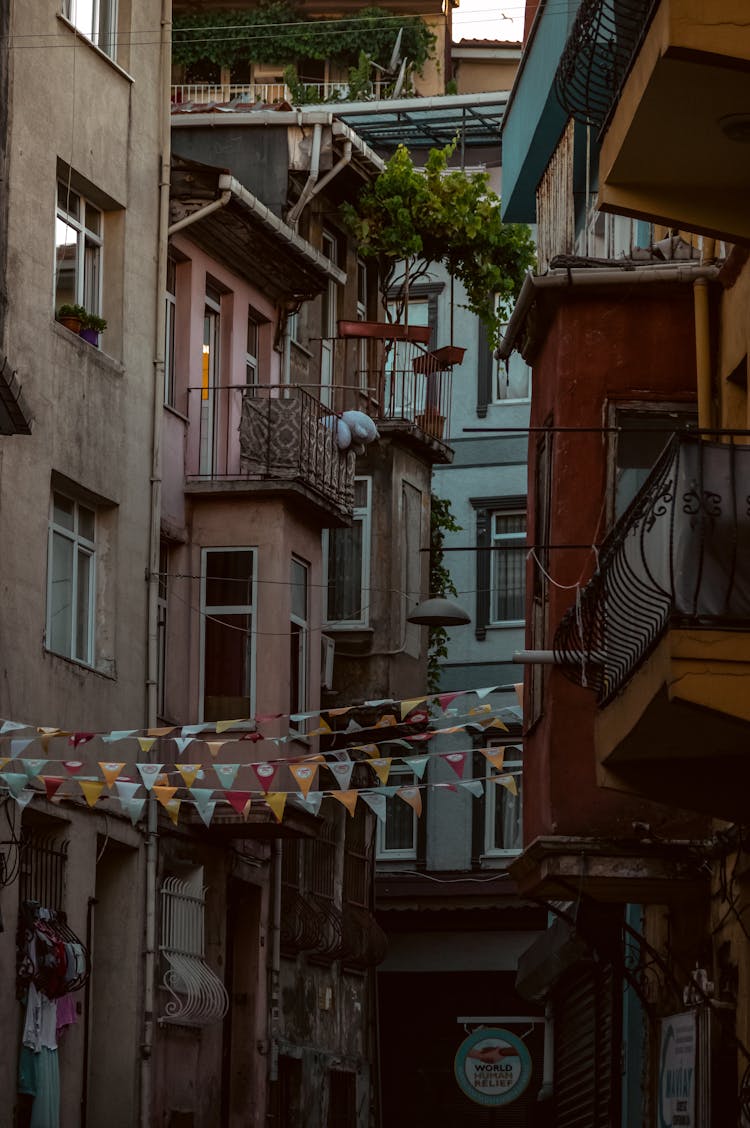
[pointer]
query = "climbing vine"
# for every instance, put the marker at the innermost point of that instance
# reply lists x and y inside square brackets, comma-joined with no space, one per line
[442,521]
[275,32]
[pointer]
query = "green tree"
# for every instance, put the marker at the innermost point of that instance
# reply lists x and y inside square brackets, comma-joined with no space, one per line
[409,218]
[442,521]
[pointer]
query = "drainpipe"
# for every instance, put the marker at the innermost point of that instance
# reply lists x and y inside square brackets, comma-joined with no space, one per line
[275,993]
[222,202]
[149,955]
[312,178]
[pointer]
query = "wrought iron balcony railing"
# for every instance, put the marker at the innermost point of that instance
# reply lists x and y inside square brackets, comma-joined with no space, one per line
[679,556]
[267,432]
[603,41]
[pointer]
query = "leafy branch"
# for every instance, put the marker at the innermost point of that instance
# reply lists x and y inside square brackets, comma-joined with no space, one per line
[442,521]
[409,218]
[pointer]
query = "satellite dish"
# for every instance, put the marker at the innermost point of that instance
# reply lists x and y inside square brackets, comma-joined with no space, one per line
[399,83]
[396,53]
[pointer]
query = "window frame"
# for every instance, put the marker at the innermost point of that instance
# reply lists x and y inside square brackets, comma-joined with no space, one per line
[361,514]
[486,508]
[490,850]
[105,41]
[496,539]
[303,645]
[206,610]
[399,776]
[170,303]
[85,237]
[617,412]
[81,545]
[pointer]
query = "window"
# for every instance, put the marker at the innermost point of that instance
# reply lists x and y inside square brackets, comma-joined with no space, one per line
[397,836]
[503,828]
[227,641]
[512,379]
[507,567]
[251,349]
[299,637]
[97,20]
[210,376]
[71,578]
[161,628]
[347,553]
[501,562]
[169,333]
[644,432]
[328,327]
[78,253]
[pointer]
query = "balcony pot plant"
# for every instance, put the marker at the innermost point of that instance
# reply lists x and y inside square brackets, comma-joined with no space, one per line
[72,317]
[91,328]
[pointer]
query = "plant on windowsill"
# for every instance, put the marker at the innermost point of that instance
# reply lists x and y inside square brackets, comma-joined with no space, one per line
[73,317]
[91,328]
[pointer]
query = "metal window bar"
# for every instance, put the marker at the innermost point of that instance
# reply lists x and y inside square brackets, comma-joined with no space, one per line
[42,874]
[198,997]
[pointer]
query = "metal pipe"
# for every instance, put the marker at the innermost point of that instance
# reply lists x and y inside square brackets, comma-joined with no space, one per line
[307,192]
[593,276]
[201,213]
[275,992]
[151,861]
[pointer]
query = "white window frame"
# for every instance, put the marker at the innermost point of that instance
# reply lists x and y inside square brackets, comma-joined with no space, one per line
[170,300]
[515,360]
[399,776]
[206,609]
[496,541]
[86,17]
[82,546]
[86,239]
[303,684]
[362,514]
[491,799]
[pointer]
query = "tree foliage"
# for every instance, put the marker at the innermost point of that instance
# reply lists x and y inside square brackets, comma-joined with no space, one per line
[409,218]
[442,521]
[276,32]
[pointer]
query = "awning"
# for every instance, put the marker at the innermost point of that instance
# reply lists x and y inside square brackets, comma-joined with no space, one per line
[14,415]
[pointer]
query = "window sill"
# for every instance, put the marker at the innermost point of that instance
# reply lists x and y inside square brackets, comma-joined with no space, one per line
[506,625]
[102,54]
[107,674]
[499,860]
[301,348]
[95,355]
[173,411]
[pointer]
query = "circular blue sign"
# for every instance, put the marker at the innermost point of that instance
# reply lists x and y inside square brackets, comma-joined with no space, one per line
[492,1067]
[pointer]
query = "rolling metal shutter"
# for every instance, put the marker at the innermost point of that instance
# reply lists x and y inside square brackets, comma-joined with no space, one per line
[586,1080]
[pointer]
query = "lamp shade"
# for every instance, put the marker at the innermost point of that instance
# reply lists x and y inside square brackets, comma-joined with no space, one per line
[438,612]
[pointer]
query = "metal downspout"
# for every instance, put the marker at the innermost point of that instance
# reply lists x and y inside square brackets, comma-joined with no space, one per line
[275,986]
[222,202]
[151,861]
[296,211]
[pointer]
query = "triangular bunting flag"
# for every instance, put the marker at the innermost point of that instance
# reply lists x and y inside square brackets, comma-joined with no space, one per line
[33,767]
[118,734]
[51,785]
[206,810]
[92,789]
[411,703]
[417,764]
[77,738]
[182,743]
[496,723]
[202,796]
[160,731]
[382,768]
[484,692]
[265,773]
[368,749]
[412,796]
[163,794]
[456,761]
[342,772]
[227,774]
[18,747]
[134,808]
[386,721]
[311,802]
[376,801]
[172,807]
[146,743]
[225,726]
[215,747]
[475,786]
[239,800]
[149,773]
[16,782]
[304,774]
[445,699]
[12,726]
[194,730]
[506,781]
[110,771]
[348,798]
[126,789]
[277,801]
[352,727]
[323,729]
[72,766]
[189,772]
[495,756]
[24,797]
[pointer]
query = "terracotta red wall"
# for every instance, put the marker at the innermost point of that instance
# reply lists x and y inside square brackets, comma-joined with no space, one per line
[624,344]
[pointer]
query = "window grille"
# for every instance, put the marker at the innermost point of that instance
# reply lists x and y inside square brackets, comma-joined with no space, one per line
[198,997]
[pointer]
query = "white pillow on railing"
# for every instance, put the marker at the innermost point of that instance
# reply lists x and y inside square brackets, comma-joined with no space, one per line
[341,431]
[362,427]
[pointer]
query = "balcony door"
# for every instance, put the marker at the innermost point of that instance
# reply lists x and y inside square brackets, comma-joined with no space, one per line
[209,385]
[329,317]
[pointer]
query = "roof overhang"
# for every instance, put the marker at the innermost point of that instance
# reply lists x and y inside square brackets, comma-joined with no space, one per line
[424,123]
[14,415]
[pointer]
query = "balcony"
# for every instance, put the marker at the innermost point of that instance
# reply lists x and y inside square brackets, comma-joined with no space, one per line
[674,143]
[268,439]
[662,633]
[268,93]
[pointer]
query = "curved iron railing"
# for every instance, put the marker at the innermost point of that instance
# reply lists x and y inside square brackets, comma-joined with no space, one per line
[598,55]
[679,555]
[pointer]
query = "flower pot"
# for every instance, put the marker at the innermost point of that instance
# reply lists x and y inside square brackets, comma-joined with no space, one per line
[70,322]
[90,335]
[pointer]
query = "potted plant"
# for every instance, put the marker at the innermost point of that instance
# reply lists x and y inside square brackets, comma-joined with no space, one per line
[72,317]
[92,326]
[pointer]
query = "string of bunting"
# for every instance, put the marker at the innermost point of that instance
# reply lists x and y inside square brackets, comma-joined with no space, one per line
[155,777]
